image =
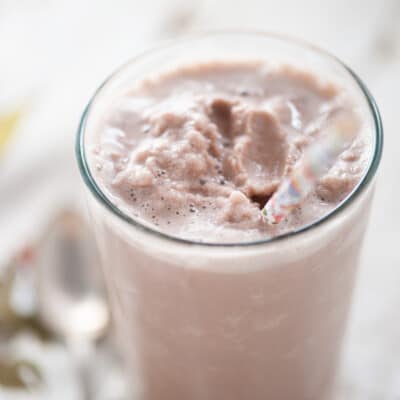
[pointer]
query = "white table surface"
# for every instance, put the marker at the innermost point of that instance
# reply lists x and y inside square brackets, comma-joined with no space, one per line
[54,54]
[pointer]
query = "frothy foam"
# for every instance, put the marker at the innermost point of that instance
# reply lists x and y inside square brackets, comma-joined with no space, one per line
[198,151]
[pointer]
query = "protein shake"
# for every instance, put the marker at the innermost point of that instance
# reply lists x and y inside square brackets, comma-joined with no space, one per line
[219,304]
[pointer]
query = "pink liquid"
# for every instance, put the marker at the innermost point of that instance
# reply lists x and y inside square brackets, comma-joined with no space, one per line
[197,152]
[225,323]
[232,324]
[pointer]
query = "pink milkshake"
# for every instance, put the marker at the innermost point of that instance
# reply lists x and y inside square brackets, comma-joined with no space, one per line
[183,147]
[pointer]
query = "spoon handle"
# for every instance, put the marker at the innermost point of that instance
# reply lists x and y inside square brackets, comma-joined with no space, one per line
[82,351]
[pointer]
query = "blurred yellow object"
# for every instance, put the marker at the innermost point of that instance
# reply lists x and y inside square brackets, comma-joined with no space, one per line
[8,124]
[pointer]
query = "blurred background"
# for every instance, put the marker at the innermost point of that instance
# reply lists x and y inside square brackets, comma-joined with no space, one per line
[53,55]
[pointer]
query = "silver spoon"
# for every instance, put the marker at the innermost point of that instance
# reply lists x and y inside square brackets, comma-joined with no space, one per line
[71,297]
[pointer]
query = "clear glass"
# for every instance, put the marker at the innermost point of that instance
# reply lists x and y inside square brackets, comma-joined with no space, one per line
[256,321]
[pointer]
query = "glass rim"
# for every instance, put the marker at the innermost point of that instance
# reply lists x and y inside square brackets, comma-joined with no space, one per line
[102,198]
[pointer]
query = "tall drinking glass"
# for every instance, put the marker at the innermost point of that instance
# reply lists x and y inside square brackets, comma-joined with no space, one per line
[255,321]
